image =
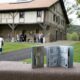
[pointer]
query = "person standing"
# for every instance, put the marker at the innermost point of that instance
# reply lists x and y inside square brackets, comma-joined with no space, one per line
[44,39]
[1,44]
[37,38]
[34,37]
[17,38]
[23,37]
[41,37]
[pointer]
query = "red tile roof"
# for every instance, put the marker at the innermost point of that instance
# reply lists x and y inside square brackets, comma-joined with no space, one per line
[27,5]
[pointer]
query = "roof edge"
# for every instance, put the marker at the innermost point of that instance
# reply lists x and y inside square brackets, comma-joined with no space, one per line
[64,11]
[21,10]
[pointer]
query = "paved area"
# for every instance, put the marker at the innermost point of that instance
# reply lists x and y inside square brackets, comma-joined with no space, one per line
[16,55]
[22,71]
[14,66]
[22,66]
[26,53]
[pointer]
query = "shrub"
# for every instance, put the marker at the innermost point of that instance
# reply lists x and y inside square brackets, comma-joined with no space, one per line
[68,36]
[74,36]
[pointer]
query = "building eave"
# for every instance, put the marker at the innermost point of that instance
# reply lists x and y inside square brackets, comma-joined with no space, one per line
[22,10]
[64,11]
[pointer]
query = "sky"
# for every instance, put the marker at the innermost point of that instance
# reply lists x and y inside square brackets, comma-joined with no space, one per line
[75,21]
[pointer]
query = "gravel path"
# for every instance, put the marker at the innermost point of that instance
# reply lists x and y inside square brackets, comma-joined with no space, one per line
[16,55]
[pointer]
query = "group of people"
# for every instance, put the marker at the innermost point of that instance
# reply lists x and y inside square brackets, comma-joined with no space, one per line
[21,38]
[39,38]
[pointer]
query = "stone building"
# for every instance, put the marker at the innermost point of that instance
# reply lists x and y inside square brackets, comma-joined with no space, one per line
[48,16]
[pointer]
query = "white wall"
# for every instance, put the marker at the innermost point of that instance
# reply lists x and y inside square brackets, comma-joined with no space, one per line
[29,17]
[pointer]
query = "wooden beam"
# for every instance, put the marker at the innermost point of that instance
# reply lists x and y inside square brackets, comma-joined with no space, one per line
[13,25]
[43,26]
[13,14]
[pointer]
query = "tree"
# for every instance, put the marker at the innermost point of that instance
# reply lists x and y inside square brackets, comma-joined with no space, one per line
[78,1]
[78,12]
[73,8]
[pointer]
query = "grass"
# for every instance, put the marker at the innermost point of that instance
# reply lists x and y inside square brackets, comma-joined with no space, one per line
[9,46]
[76,54]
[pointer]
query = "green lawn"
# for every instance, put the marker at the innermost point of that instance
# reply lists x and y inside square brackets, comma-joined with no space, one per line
[76,54]
[9,46]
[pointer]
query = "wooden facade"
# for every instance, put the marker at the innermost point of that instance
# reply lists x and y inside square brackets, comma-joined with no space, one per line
[52,21]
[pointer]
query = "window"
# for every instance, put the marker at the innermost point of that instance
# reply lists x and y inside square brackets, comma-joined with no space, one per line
[39,13]
[54,17]
[58,19]
[21,14]
[62,22]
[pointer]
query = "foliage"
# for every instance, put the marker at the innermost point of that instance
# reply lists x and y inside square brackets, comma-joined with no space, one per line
[78,1]
[68,36]
[76,52]
[73,28]
[73,7]
[9,46]
[73,36]
[78,13]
